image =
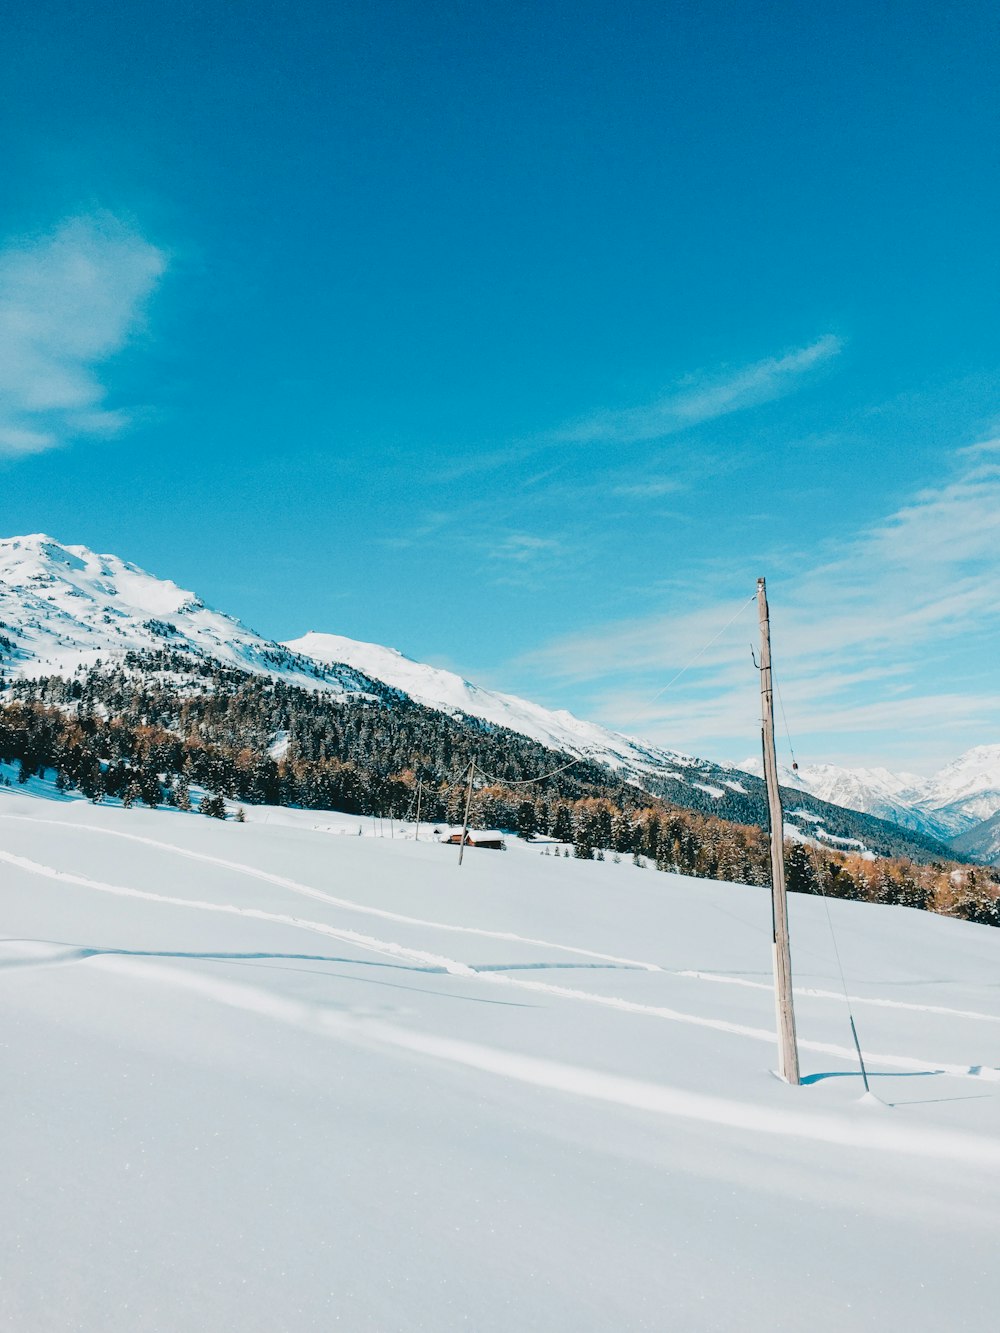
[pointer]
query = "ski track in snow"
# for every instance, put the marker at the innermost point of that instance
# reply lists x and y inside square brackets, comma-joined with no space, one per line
[254,913]
[456,968]
[509,937]
[859,1132]
[817,994]
[307,891]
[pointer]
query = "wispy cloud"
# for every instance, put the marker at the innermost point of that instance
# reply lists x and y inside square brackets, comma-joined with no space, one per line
[693,400]
[68,303]
[652,489]
[697,400]
[854,629]
[518,559]
[430,526]
[522,547]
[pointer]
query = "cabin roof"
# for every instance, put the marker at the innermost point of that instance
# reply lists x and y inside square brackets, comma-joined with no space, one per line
[476,834]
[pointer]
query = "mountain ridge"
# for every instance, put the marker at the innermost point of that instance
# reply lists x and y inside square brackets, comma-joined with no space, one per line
[65,607]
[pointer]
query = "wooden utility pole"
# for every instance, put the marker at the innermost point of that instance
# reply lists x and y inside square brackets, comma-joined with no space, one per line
[416,831]
[788,1051]
[468,807]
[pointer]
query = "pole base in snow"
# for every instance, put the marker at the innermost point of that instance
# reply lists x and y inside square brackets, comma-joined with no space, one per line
[869,1099]
[776,1073]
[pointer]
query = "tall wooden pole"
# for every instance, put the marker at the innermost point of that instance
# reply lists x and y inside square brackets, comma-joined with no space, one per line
[416,831]
[468,807]
[788,1051]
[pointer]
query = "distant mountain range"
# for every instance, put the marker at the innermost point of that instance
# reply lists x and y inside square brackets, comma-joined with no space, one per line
[959,805]
[65,609]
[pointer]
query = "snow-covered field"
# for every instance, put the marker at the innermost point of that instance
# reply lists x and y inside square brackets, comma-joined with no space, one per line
[277,1076]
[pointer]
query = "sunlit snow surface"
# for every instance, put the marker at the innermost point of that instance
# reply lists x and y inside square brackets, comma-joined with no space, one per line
[279,1076]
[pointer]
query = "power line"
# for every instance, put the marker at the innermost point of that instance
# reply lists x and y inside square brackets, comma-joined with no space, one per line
[697,657]
[704,649]
[542,777]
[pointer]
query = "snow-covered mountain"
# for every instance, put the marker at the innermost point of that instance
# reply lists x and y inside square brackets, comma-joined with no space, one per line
[64,607]
[964,793]
[954,801]
[872,791]
[67,607]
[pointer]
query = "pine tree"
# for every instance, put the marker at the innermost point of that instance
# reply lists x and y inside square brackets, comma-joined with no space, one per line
[800,877]
[621,832]
[526,819]
[583,847]
[562,828]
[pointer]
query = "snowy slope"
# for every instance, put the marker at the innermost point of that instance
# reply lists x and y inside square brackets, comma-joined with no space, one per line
[63,607]
[981,842]
[264,1077]
[448,692]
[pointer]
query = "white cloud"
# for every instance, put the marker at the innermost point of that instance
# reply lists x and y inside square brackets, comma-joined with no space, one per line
[852,632]
[695,401]
[19,440]
[68,302]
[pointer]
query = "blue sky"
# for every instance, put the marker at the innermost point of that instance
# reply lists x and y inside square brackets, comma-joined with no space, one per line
[525,337]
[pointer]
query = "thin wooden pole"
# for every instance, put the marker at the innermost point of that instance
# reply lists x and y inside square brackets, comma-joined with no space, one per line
[468,807]
[788,1051]
[416,832]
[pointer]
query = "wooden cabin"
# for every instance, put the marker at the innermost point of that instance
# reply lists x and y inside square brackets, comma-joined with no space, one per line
[490,838]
